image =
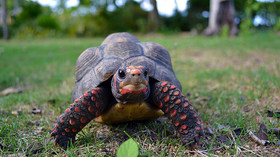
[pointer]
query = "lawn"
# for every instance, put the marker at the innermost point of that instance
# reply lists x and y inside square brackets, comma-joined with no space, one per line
[232,83]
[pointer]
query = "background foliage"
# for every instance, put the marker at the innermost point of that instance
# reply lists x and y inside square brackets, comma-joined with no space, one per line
[98,17]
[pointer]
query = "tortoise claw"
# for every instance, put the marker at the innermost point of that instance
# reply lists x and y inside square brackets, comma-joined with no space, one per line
[62,140]
[192,138]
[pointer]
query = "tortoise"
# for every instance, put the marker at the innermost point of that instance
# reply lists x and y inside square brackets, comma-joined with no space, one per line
[125,80]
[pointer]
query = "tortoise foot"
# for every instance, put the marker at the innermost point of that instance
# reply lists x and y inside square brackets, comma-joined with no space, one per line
[179,110]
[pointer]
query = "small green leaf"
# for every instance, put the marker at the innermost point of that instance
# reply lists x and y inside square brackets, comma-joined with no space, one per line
[128,149]
[226,130]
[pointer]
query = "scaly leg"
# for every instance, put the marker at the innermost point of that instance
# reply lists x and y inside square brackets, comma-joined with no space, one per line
[79,114]
[179,111]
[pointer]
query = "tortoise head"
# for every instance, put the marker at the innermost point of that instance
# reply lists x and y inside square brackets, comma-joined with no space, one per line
[131,84]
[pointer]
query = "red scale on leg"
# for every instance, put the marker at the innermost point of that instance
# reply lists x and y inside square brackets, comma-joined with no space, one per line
[164,83]
[166,111]
[194,115]
[186,104]
[172,87]
[178,101]
[93,98]
[83,119]
[90,109]
[191,108]
[173,113]
[160,105]
[183,116]
[176,93]
[77,109]
[61,120]
[165,89]
[184,126]
[84,101]
[68,110]
[77,100]
[93,92]
[63,133]
[67,130]
[166,98]
[72,121]
[97,104]
[176,123]
[75,130]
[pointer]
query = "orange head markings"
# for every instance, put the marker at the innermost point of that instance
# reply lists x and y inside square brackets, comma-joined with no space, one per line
[121,84]
[134,69]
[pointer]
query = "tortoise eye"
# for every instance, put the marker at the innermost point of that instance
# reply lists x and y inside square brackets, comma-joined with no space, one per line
[145,73]
[121,73]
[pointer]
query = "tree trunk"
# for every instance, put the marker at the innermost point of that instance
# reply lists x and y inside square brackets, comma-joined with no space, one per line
[4,20]
[221,13]
[153,20]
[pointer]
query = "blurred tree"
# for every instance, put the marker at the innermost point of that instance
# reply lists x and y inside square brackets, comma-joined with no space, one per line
[221,13]
[4,20]
[195,18]
[30,11]
[153,18]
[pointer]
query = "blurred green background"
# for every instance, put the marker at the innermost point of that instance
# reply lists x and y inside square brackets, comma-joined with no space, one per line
[89,18]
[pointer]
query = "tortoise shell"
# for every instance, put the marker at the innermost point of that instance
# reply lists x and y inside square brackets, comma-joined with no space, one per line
[98,64]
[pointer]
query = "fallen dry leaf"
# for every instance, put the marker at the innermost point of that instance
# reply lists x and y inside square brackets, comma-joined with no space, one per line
[36,111]
[275,131]
[262,133]
[272,113]
[15,112]
[258,140]
[11,90]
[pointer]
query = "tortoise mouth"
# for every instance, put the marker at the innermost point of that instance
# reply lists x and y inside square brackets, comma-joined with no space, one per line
[134,88]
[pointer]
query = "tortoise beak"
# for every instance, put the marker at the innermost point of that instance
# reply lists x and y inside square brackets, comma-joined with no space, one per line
[134,88]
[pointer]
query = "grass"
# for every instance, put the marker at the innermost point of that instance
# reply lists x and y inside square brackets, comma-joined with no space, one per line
[232,82]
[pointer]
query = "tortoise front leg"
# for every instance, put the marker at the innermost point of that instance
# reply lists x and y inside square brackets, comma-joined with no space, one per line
[179,111]
[79,114]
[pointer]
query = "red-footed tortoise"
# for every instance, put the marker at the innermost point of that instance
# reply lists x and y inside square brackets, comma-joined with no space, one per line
[124,80]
